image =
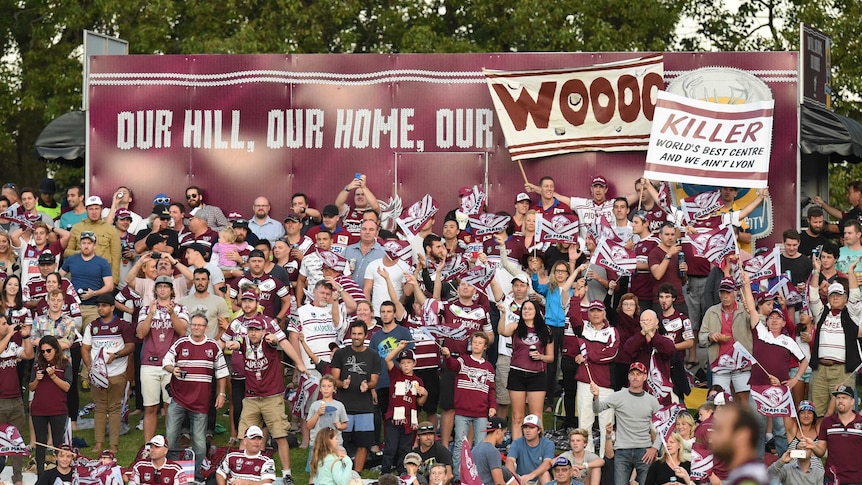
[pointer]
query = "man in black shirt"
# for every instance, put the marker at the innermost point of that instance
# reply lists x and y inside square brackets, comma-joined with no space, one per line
[431,451]
[814,234]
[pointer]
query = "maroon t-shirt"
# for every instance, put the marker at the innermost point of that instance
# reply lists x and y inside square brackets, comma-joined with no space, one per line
[521,359]
[776,354]
[642,281]
[49,399]
[697,265]
[514,246]
[843,444]
[671,275]
[9,385]
[655,218]
[264,375]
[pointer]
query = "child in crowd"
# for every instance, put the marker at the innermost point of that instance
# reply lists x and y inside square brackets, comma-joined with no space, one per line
[406,395]
[327,412]
[226,244]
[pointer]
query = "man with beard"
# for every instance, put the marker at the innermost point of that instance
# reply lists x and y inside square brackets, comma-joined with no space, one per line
[735,434]
[828,272]
[308,216]
[157,470]
[270,288]
[676,326]
[213,215]
[642,280]
[201,300]
[77,212]
[160,223]
[840,435]
[197,257]
[666,267]
[356,369]
[813,235]
[263,226]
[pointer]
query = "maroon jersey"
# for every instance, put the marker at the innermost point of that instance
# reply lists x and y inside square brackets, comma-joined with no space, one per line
[472,317]
[655,217]
[162,334]
[292,265]
[269,290]
[474,386]
[403,398]
[599,347]
[199,361]
[9,386]
[352,221]
[341,238]
[677,327]
[19,316]
[239,465]
[514,246]
[237,331]
[208,239]
[130,298]
[697,265]
[426,350]
[843,444]
[521,349]
[264,376]
[775,354]
[144,473]
[49,399]
[71,306]
[642,281]
[671,274]
[558,207]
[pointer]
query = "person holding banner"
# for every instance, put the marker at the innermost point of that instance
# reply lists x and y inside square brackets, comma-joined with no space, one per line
[770,380]
[599,345]
[723,325]
[835,356]
[667,267]
[549,203]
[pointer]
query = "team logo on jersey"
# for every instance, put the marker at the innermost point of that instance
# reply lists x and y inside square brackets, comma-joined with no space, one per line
[95,330]
[114,329]
[209,353]
[185,352]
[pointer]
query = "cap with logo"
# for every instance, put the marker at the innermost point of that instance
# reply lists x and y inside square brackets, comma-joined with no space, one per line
[237,220]
[495,422]
[292,217]
[88,235]
[406,354]
[107,454]
[722,399]
[123,213]
[164,280]
[256,253]
[807,406]
[845,389]
[532,420]
[413,459]
[638,366]
[562,461]
[249,295]
[596,305]
[253,432]
[776,308]
[255,323]
[155,238]
[599,180]
[464,191]
[157,441]
[46,257]
[836,288]
[522,196]
[727,284]
[93,200]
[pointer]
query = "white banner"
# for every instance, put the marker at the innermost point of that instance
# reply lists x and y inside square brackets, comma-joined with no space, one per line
[605,107]
[704,143]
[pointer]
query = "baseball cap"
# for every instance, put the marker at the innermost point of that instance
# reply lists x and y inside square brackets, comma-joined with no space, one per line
[88,235]
[157,440]
[123,213]
[256,253]
[596,305]
[807,406]
[93,200]
[532,420]
[248,295]
[776,308]
[406,354]
[330,210]
[426,427]
[836,288]
[521,197]
[106,298]
[522,278]
[413,459]
[46,258]
[292,216]
[763,296]
[237,220]
[599,180]
[189,215]
[638,366]
[65,447]
[107,454]
[334,345]
[722,398]
[464,191]
[155,238]
[562,461]
[495,422]
[255,323]
[47,186]
[845,389]
[727,284]
[200,248]
[253,432]
[164,280]
[162,211]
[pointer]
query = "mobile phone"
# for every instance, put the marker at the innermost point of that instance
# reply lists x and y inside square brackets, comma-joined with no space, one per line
[357,175]
[156,255]
[816,251]
[798,454]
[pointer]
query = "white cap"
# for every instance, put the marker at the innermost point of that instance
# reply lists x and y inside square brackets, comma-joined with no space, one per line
[157,440]
[532,420]
[836,288]
[253,432]
[93,200]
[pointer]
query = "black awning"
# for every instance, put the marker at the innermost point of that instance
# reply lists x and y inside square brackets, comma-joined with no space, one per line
[828,133]
[65,137]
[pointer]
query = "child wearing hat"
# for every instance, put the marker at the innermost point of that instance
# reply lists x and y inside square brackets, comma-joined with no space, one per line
[406,395]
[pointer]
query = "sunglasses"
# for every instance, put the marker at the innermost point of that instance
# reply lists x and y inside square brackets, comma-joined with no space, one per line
[191,196]
[426,429]
[162,201]
[46,351]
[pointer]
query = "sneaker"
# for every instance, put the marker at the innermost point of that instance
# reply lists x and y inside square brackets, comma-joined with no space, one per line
[377,470]
[140,425]
[287,480]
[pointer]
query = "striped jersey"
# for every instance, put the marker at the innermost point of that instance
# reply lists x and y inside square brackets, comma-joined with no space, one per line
[315,323]
[426,350]
[144,473]
[112,336]
[239,465]
[200,361]
[237,331]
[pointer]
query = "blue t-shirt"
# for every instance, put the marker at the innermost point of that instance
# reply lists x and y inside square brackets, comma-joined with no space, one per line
[87,275]
[69,219]
[529,458]
[384,342]
[486,457]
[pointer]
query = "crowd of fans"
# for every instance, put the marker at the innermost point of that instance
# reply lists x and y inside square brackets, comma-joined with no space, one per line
[189,309]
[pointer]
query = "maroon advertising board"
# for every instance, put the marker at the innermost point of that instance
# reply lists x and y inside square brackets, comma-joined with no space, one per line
[242,126]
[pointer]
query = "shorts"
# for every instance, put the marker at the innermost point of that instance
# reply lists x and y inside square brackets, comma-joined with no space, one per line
[431,380]
[739,379]
[153,382]
[806,377]
[360,430]
[501,379]
[260,411]
[447,390]
[520,380]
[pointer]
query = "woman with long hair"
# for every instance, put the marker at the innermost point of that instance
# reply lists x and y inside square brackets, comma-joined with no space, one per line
[50,380]
[532,350]
[8,261]
[685,427]
[807,415]
[12,305]
[626,318]
[330,464]
[673,466]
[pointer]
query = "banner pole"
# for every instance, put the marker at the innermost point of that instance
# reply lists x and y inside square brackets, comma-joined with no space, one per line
[523,173]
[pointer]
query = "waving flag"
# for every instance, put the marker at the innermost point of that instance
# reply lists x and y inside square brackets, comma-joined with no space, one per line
[486,224]
[739,358]
[332,261]
[11,442]
[469,472]
[417,215]
[614,257]
[304,396]
[443,331]
[16,213]
[601,229]
[389,212]
[714,244]
[453,268]
[480,276]
[774,401]
[664,420]
[786,288]
[99,371]
[701,462]
[471,204]
[657,383]
[399,250]
[431,312]
[700,205]
[765,266]
[664,197]
[558,228]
